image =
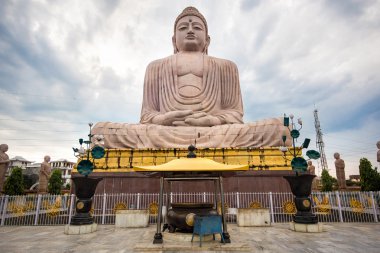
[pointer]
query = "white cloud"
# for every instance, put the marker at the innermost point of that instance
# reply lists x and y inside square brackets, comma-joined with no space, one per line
[81,61]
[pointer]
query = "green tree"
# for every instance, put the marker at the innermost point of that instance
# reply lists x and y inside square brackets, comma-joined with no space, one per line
[55,182]
[327,181]
[369,177]
[14,185]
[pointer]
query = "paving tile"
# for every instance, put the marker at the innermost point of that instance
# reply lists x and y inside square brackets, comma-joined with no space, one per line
[338,237]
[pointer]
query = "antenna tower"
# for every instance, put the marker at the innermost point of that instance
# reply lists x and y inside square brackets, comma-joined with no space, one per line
[320,144]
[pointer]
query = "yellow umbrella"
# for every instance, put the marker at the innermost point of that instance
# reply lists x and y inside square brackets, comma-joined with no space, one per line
[192,164]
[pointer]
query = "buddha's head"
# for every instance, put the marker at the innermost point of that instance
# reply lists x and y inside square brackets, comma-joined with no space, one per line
[3,147]
[190,32]
[47,158]
[336,155]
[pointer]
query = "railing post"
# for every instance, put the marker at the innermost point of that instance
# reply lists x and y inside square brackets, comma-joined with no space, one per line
[38,207]
[204,197]
[138,201]
[271,206]
[5,205]
[237,200]
[71,207]
[373,207]
[104,208]
[339,206]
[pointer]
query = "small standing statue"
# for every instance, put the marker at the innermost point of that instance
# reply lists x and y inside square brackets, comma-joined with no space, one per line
[378,152]
[4,163]
[311,170]
[44,175]
[339,166]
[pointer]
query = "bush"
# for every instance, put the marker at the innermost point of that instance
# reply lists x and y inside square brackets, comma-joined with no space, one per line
[369,177]
[67,186]
[14,185]
[55,182]
[327,181]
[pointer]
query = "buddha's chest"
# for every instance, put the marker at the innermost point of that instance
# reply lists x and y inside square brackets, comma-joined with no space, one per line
[190,64]
[189,74]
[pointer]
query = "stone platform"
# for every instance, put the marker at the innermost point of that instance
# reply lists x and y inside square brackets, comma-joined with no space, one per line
[306,228]
[267,167]
[339,237]
[80,229]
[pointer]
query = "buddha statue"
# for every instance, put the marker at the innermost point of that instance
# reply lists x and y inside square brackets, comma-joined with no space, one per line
[191,96]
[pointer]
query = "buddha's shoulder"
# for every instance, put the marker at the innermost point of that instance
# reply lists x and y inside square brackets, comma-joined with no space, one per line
[221,61]
[160,62]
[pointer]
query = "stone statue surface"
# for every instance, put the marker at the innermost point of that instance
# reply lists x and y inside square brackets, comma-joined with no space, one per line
[378,152]
[44,175]
[4,164]
[191,94]
[340,174]
[311,170]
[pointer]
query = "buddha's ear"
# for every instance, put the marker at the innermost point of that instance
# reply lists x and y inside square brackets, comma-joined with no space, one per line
[174,45]
[208,39]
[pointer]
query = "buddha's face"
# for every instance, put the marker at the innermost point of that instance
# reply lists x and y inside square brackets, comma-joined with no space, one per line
[190,35]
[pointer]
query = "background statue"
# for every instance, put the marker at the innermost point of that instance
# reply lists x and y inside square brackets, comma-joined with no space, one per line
[188,93]
[378,152]
[340,175]
[4,164]
[44,175]
[311,170]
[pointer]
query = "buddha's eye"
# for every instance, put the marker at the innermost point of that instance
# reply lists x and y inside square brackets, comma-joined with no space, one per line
[182,27]
[197,27]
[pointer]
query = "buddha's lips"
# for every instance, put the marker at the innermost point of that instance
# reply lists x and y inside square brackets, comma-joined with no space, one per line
[190,37]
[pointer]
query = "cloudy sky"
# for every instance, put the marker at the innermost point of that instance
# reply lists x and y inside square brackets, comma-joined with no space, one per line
[66,63]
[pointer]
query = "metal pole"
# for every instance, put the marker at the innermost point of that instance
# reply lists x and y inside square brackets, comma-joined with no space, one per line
[225,232]
[339,206]
[138,201]
[4,210]
[158,235]
[271,206]
[104,208]
[215,195]
[237,200]
[71,207]
[373,207]
[37,209]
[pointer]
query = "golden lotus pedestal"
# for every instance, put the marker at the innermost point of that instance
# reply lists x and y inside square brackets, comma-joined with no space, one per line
[266,165]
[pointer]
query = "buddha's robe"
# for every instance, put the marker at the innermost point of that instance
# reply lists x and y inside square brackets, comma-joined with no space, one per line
[219,96]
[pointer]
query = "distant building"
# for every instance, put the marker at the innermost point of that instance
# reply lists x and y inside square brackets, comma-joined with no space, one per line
[65,166]
[30,168]
[18,161]
[355,178]
[33,169]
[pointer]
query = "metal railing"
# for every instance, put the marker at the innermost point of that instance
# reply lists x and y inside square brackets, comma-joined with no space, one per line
[31,210]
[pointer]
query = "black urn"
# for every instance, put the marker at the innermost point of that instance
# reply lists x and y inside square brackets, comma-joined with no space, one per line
[84,190]
[301,189]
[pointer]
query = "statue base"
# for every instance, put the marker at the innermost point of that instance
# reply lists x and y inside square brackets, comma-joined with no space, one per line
[267,167]
[306,228]
[80,229]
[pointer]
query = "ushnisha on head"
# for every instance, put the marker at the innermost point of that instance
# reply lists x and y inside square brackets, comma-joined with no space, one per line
[190,32]
[47,158]
[3,147]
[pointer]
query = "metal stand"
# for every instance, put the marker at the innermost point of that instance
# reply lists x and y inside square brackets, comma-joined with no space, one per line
[169,177]
[158,235]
